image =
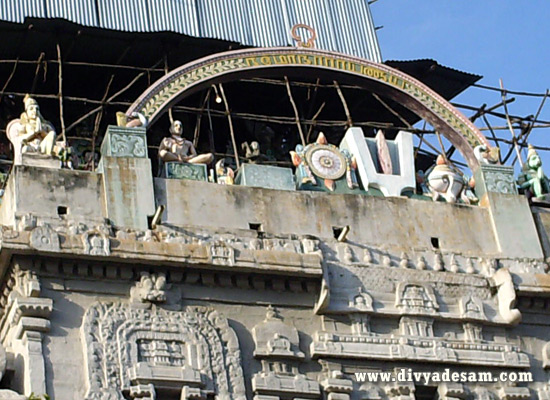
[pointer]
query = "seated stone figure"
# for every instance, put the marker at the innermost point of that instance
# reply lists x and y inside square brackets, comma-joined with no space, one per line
[532,177]
[31,132]
[178,149]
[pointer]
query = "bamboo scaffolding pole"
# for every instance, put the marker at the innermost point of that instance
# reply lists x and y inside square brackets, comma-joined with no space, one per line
[289,120]
[98,120]
[495,114]
[539,110]
[312,98]
[296,114]
[477,85]
[349,121]
[313,120]
[503,94]
[67,98]
[83,64]
[38,64]
[493,135]
[109,100]
[231,131]
[199,117]
[60,94]
[480,112]
[8,80]
[420,142]
[391,110]
[522,134]
[170,116]
[443,152]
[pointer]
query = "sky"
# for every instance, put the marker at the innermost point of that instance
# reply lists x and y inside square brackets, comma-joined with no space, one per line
[498,39]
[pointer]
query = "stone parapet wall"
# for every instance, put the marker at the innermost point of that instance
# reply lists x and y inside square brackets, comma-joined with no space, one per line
[254,293]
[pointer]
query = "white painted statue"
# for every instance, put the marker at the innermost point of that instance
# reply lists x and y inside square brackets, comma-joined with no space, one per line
[31,133]
[445,182]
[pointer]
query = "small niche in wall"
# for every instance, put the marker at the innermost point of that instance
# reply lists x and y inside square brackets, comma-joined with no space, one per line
[62,210]
[435,242]
[340,232]
[425,393]
[257,227]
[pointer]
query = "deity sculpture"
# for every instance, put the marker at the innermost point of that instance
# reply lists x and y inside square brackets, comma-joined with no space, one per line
[532,177]
[225,175]
[31,133]
[177,148]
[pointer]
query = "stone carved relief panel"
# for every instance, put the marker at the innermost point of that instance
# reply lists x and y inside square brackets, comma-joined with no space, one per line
[96,243]
[130,349]
[151,288]
[471,307]
[415,298]
[278,349]
[44,238]
[125,145]
[222,254]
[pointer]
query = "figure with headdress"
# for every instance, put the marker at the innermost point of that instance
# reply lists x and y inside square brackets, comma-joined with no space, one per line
[532,178]
[31,133]
[178,149]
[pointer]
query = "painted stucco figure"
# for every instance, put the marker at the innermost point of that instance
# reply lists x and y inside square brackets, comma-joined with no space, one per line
[177,148]
[446,182]
[326,162]
[532,178]
[225,175]
[31,133]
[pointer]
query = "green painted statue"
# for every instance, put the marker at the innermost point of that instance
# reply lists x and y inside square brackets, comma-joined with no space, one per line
[532,178]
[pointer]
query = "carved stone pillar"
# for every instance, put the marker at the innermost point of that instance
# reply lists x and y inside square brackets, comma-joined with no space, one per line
[144,392]
[28,320]
[277,346]
[496,189]
[126,169]
[451,391]
[337,387]
[401,391]
[191,393]
[514,393]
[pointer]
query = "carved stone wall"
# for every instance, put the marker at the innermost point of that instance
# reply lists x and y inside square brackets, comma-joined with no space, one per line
[146,314]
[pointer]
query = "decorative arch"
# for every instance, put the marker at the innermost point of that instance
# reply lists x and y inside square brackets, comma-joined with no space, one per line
[404,89]
[195,346]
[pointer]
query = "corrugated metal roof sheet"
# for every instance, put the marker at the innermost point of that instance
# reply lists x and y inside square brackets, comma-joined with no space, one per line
[342,25]
[82,12]
[17,10]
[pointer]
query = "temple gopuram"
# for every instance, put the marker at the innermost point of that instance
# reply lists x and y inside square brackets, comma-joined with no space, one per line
[239,199]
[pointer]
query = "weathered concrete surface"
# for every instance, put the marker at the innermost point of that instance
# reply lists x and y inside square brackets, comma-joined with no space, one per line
[513,224]
[128,187]
[391,295]
[40,191]
[387,222]
[542,222]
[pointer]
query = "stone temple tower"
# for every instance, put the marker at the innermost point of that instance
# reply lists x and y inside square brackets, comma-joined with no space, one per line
[316,263]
